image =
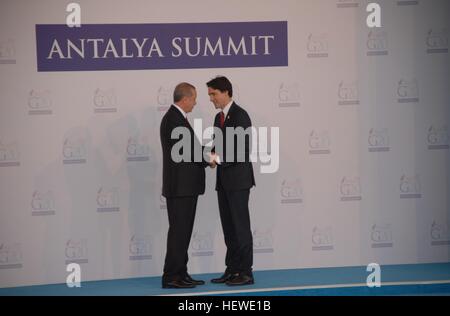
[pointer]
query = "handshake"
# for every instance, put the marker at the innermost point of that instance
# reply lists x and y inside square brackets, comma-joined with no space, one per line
[213,160]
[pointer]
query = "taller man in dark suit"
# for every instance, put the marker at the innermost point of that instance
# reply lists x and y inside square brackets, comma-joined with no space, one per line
[233,182]
[183,182]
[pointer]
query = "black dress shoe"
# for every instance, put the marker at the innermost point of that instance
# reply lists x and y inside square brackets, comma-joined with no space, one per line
[189,279]
[224,278]
[241,279]
[177,284]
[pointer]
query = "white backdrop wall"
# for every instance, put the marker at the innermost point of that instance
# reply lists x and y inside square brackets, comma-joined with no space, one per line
[364,143]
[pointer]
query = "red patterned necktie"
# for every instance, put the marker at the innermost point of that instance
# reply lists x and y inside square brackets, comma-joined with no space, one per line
[222,119]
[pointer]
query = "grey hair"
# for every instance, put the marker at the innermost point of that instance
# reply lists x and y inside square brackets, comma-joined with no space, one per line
[183,89]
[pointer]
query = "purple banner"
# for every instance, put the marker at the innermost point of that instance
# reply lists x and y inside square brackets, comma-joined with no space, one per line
[161,46]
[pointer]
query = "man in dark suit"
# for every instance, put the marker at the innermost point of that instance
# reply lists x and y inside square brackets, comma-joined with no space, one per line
[234,179]
[183,182]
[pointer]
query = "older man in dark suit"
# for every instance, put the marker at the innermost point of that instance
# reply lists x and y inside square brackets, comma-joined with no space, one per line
[183,182]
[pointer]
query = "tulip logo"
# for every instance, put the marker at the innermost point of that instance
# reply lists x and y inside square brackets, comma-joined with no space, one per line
[140,247]
[322,238]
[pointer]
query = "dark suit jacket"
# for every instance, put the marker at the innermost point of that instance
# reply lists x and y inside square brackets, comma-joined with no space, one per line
[180,178]
[232,174]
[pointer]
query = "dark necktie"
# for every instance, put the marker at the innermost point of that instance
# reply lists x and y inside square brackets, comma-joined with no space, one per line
[222,119]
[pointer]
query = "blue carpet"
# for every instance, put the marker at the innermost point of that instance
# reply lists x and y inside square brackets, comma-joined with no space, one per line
[422,290]
[292,282]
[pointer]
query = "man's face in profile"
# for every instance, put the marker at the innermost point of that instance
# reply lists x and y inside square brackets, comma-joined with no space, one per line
[191,101]
[218,98]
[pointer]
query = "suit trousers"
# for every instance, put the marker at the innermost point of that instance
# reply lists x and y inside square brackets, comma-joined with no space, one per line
[181,212]
[235,219]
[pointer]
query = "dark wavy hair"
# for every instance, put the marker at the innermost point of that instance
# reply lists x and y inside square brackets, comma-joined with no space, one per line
[222,84]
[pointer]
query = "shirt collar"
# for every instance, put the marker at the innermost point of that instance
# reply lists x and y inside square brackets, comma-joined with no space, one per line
[227,108]
[181,110]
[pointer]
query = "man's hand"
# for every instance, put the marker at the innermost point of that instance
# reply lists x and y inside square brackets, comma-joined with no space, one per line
[212,160]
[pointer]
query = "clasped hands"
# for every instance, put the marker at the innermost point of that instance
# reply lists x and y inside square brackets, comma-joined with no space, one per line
[213,160]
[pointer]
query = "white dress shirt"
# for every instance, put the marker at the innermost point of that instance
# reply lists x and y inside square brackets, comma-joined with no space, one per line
[226,109]
[225,113]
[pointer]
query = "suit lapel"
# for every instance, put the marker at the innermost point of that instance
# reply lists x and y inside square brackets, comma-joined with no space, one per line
[228,118]
[229,115]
